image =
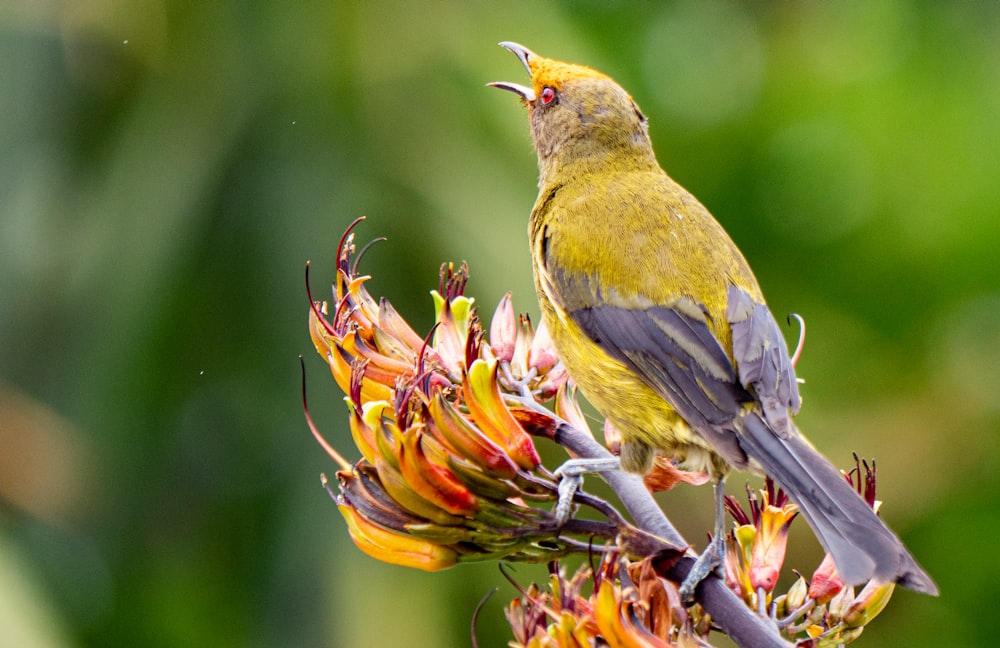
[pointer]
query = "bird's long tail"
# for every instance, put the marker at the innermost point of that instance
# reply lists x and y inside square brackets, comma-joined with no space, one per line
[862,546]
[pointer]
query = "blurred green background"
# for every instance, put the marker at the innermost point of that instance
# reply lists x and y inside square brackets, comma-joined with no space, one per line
[168,166]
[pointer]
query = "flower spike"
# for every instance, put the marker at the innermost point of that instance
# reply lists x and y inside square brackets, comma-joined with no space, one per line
[448,472]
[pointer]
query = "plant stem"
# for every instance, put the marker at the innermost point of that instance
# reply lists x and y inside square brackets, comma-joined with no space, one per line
[738,621]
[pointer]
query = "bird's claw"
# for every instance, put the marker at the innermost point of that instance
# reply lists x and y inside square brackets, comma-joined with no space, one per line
[712,559]
[570,477]
[714,556]
[568,485]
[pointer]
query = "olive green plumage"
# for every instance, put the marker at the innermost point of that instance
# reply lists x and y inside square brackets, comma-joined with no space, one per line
[660,321]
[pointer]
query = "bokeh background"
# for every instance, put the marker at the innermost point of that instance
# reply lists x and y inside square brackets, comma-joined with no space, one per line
[168,166]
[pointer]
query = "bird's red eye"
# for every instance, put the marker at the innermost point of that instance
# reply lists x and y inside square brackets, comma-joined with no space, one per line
[548,94]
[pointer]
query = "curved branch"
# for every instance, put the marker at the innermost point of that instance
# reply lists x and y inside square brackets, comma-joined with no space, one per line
[727,610]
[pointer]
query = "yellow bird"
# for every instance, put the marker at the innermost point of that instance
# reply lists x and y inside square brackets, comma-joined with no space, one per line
[660,321]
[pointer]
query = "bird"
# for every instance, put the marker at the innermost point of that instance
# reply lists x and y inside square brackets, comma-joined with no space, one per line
[663,326]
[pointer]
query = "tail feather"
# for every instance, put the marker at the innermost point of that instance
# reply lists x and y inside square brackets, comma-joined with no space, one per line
[862,545]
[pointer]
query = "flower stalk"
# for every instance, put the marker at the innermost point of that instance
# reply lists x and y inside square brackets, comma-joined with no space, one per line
[447,471]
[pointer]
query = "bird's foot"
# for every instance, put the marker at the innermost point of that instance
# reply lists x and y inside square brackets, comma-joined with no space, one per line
[570,476]
[713,558]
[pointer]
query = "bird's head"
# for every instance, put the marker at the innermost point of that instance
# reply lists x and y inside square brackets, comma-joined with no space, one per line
[579,116]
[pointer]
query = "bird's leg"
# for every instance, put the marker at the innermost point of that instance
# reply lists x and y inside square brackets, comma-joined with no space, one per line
[714,555]
[570,476]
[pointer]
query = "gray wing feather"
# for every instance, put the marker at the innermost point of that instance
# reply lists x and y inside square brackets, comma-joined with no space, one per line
[762,359]
[678,357]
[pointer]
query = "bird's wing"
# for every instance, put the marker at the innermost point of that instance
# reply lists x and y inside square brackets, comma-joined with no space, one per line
[674,350]
[761,355]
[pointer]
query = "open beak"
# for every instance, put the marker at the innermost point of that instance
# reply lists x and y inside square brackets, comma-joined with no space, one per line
[524,55]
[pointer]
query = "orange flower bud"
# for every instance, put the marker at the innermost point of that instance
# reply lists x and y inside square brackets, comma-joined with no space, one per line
[491,414]
[431,480]
[463,437]
[825,582]
[396,548]
[770,545]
